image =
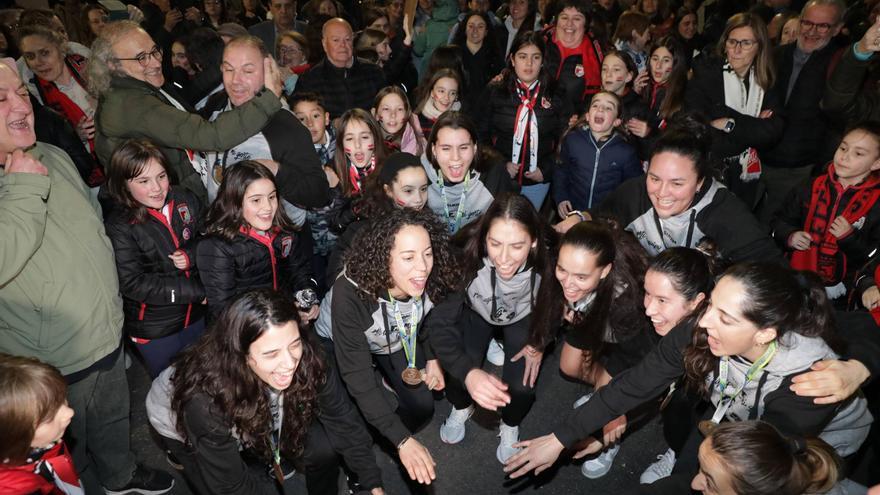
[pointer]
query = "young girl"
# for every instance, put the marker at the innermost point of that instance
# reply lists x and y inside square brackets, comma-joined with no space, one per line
[438,95]
[464,179]
[154,229]
[594,159]
[505,260]
[831,224]
[379,321]
[377,42]
[251,244]
[667,68]
[764,324]
[400,127]
[359,150]
[754,458]
[255,398]
[598,292]
[34,414]
[619,76]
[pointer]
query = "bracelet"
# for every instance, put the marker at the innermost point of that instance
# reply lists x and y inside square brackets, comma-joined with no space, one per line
[400,445]
[578,213]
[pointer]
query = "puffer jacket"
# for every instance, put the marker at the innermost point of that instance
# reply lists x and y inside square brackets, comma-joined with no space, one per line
[580,79]
[135,109]
[158,298]
[589,170]
[282,260]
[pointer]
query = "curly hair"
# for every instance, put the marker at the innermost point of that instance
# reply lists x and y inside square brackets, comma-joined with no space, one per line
[369,259]
[217,367]
[775,297]
[103,64]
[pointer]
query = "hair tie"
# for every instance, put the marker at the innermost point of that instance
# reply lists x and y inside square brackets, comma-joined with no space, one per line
[797,445]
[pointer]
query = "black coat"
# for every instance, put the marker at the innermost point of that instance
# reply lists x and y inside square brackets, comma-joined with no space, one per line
[158,298]
[229,268]
[343,89]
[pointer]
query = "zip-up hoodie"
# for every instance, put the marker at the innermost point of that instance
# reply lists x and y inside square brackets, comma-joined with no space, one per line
[499,301]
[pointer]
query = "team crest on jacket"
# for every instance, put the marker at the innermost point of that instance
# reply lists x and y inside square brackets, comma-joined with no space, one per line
[183,211]
[186,234]
[286,243]
[545,103]
[579,70]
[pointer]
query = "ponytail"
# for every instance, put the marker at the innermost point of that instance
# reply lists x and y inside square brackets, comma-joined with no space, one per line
[761,461]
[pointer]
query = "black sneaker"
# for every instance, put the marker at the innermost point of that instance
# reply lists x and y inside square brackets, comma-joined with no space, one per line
[145,481]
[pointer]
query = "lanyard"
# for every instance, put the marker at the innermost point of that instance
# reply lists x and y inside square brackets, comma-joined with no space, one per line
[408,336]
[728,396]
[453,224]
[274,444]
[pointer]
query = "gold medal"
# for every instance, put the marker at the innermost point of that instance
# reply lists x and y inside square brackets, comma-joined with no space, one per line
[411,376]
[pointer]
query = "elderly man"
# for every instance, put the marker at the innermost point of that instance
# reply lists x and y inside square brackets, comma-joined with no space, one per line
[59,296]
[284,140]
[343,80]
[283,19]
[801,70]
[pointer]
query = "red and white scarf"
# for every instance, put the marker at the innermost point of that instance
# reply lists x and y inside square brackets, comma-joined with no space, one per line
[525,128]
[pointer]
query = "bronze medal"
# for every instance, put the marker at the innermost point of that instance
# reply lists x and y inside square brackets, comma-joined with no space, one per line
[279,474]
[411,376]
[706,427]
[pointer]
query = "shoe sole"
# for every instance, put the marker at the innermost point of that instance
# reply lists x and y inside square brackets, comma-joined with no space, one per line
[140,491]
[450,441]
[499,456]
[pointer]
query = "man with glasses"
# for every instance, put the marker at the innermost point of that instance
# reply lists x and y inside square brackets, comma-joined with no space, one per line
[283,19]
[801,70]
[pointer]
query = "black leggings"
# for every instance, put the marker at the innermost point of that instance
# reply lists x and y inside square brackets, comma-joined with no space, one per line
[477,334]
[415,405]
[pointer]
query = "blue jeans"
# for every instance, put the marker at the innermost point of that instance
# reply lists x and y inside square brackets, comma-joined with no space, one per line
[536,193]
[158,353]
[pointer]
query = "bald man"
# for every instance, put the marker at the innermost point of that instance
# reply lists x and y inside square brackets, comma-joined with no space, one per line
[343,80]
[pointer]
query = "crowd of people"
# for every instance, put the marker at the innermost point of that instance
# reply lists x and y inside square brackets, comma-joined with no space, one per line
[313,222]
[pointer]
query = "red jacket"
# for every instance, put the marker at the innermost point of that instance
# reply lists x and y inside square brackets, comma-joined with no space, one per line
[52,472]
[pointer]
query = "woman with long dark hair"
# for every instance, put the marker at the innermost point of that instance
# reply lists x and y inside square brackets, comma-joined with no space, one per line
[255,398]
[480,55]
[764,324]
[505,262]
[383,308]
[523,116]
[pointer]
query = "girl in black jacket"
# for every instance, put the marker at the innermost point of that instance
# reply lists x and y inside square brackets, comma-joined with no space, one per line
[390,298]
[523,117]
[505,261]
[153,229]
[254,399]
[251,244]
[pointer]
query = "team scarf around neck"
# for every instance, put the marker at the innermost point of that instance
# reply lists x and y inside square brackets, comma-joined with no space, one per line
[525,128]
[821,257]
[747,101]
[357,175]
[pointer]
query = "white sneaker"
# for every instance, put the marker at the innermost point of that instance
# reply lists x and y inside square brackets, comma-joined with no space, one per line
[598,467]
[509,435]
[582,400]
[495,353]
[660,469]
[452,430]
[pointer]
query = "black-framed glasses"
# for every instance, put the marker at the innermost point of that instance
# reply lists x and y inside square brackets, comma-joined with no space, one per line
[821,27]
[144,58]
[744,44]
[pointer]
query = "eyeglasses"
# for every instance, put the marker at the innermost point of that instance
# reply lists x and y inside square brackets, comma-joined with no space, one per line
[144,58]
[821,27]
[744,44]
[290,50]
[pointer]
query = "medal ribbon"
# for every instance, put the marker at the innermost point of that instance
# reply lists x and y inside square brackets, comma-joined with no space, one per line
[408,337]
[724,369]
[453,223]
[274,444]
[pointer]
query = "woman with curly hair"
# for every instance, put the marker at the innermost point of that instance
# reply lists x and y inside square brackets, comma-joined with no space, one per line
[255,398]
[764,325]
[505,261]
[390,298]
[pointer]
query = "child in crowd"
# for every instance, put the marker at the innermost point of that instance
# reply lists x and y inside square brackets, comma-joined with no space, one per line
[400,127]
[619,76]
[309,109]
[831,224]
[437,96]
[595,158]
[251,244]
[361,153]
[154,229]
[632,37]
[34,414]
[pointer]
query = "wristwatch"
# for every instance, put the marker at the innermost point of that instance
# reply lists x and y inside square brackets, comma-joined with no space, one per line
[729,125]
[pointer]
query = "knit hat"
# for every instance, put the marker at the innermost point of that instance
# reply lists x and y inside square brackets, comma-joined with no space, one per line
[394,163]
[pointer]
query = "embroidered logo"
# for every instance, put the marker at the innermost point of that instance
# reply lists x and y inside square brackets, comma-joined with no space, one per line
[858,224]
[286,243]
[186,234]
[579,70]
[545,103]
[183,211]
